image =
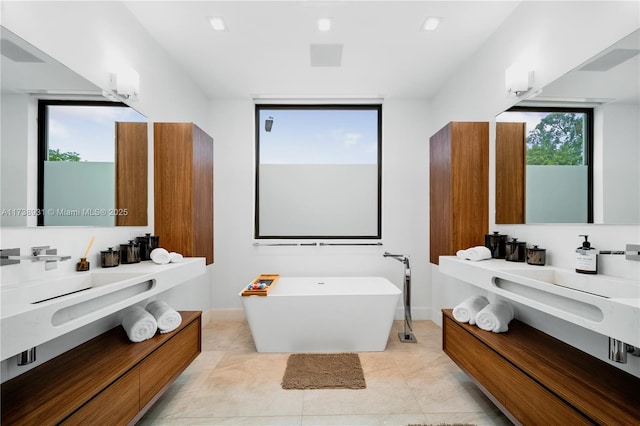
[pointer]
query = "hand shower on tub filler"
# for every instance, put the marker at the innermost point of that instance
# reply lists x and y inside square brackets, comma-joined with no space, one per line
[405,336]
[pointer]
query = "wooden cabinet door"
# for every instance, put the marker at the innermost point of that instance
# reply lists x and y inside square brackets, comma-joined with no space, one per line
[510,173]
[160,368]
[183,175]
[458,188]
[116,405]
[131,173]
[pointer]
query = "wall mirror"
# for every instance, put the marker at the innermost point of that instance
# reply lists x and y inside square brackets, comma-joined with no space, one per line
[30,195]
[608,84]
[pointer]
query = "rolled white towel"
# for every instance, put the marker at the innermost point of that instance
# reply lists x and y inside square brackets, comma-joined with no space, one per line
[461,254]
[467,310]
[495,317]
[477,253]
[139,324]
[160,256]
[168,318]
[175,257]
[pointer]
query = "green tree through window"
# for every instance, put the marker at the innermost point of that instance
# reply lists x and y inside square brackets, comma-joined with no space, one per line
[56,155]
[558,139]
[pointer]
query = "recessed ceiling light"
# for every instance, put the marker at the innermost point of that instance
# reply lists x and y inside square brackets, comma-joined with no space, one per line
[324,24]
[217,23]
[431,23]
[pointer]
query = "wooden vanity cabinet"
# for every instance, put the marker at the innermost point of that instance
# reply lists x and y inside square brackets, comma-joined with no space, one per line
[536,379]
[183,189]
[106,381]
[458,188]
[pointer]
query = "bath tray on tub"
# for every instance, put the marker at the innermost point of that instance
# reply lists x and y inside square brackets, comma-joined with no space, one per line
[261,285]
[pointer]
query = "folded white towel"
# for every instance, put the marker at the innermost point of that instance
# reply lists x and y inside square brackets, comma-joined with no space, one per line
[168,318]
[461,254]
[477,253]
[467,310]
[139,324]
[175,257]
[160,256]
[495,317]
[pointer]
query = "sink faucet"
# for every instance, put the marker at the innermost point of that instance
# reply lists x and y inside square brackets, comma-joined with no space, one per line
[41,253]
[631,252]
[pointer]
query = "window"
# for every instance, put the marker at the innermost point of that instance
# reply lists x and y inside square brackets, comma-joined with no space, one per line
[318,171]
[77,165]
[558,167]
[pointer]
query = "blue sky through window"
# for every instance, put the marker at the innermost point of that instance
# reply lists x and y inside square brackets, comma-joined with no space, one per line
[319,136]
[87,130]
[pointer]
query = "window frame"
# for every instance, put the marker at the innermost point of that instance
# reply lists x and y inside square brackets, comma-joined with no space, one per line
[43,137]
[289,106]
[588,141]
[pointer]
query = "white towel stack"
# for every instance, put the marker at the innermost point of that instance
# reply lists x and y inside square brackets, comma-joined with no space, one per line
[168,319]
[474,253]
[467,310]
[139,324]
[495,317]
[160,256]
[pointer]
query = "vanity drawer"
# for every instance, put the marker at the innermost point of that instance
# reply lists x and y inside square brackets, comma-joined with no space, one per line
[167,362]
[116,405]
[475,358]
[533,404]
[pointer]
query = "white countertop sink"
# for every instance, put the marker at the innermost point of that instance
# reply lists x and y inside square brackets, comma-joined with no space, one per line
[34,312]
[605,304]
[599,285]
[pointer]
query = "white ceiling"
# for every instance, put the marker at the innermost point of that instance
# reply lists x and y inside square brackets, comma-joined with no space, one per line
[266,50]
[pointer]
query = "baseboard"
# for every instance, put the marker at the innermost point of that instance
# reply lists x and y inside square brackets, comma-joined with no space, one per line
[226,315]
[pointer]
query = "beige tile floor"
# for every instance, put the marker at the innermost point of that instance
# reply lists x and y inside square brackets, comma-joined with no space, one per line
[231,384]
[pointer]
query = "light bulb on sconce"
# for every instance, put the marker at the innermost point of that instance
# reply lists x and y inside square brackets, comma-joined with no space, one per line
[518,79]
[126,83]
[268,124]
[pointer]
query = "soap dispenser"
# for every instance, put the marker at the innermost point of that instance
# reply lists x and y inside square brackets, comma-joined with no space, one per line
[586,258]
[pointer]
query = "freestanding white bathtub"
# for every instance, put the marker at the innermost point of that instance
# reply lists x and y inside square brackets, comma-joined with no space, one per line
[324,314]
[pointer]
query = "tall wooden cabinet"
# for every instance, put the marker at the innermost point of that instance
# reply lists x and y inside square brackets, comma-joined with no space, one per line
[183,177]
[510,172]
[131,173]
[458,187]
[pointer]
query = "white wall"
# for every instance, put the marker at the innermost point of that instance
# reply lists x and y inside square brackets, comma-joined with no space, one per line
[89,37]
[13,179]
[539,32]
[405,209]
[621,164]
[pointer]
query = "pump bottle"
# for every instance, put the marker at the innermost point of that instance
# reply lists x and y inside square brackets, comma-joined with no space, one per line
[586,258]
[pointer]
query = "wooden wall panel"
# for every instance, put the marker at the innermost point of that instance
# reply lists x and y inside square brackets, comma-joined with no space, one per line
[459,187]
[183,175]
[131,173]
[510,173]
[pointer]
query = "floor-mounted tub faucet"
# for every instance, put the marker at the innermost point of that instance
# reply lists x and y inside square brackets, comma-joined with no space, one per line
[406,336]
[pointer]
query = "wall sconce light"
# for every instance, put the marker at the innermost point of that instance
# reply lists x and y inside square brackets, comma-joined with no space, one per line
[126,83]
[518,79]
[268,124]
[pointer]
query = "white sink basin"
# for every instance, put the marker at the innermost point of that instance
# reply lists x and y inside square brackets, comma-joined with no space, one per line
[44,290]
[604,304]
[599,285]
[34,312]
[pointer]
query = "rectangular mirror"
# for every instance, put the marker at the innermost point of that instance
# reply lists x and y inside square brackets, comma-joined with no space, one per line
[110,190]
[608,84]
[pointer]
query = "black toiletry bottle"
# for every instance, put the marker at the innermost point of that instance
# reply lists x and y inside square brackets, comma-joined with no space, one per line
[586,258]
